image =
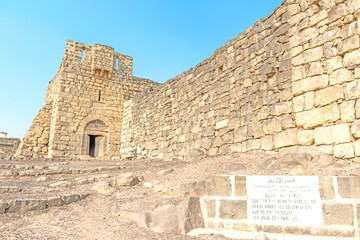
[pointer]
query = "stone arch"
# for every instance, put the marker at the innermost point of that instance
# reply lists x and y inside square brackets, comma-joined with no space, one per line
[94,134]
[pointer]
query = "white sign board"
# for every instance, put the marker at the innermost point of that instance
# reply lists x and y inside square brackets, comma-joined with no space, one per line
[284,200]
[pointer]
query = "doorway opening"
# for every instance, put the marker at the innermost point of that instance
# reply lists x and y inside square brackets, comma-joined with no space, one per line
[95,139]
[92,145]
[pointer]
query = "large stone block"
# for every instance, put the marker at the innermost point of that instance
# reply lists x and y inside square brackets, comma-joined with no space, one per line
[337,12]
[272,126]
[310,84]
[310,55]
[222,124]
[233,209]
[210,206]
[326,188]
[332,134]
[352,59]
[240,134]
[267,142]
[347,109]
[255,130]
[298,103]
[332,64]
[345,150]
[357,148]
[328,95]
[352,89]
[309,100]
[338,214]
[218,186]
[349,187]
[286,138]
[318,116]
[306,137]
[253,144]
[189,215]
[348,44]
[163,218]
[240,186]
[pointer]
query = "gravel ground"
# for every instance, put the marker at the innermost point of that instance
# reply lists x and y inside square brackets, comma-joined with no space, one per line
[95,217]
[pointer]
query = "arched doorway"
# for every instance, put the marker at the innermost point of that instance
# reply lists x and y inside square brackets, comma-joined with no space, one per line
[95,139]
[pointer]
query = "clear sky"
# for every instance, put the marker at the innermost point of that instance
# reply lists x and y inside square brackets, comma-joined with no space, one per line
[165,38]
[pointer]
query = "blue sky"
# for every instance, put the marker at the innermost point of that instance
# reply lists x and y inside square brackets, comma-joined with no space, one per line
[165,38]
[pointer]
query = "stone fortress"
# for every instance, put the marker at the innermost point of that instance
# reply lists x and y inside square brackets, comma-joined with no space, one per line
[83,109]
[290,83]
[288,87]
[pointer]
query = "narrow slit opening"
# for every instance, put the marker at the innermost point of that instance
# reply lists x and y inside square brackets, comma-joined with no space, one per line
[99,96]
[83,54]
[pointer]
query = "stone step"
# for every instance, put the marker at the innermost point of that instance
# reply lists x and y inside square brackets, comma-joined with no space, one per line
[23,205]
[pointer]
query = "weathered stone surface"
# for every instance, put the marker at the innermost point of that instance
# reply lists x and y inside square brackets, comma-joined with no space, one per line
[348,44]
[318,116]
[7,173]
[272,126]
[286,138]
[310,84]
[357,148]
[240,134]
[163,218]
[310,55]
[211,208]
[3,206]
[218,186]
[165,172]
[233,209]
[70,198]
[54,201]
[332,134]
[127,180]
[235,167]
[10,189]
[306,137]
[104,188]
[323,160]
[345,150]
[326,188]
[338,214]
[347,111]
[189,215]
[352,59]
[349,187]
[42,179]
[328,95]
[26,205]
[61,184]
[240,186]
[355,128]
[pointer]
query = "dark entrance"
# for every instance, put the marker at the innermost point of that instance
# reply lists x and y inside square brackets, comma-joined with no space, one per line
[92,145]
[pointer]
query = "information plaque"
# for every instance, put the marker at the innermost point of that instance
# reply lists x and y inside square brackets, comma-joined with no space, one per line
[284,200]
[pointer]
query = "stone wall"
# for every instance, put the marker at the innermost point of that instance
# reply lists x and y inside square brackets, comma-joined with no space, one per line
[8,146]
[289,83]
[225,206]
[84,105]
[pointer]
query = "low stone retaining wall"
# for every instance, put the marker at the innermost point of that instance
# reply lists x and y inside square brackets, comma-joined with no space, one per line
[23,205]
[301,205]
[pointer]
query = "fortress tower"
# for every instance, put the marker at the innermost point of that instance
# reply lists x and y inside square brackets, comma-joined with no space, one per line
[82,114]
